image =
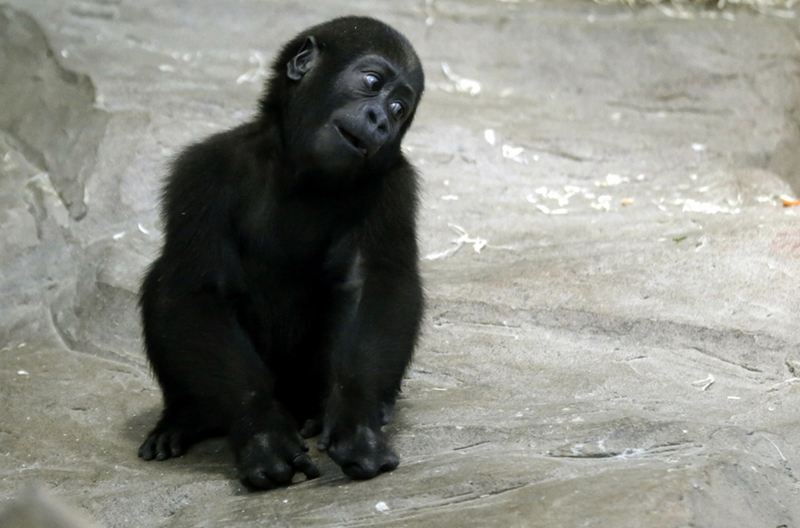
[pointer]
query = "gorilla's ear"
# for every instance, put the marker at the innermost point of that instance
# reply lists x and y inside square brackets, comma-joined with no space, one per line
[304,60]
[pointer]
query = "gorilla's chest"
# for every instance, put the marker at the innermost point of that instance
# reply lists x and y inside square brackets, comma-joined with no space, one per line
[293,243]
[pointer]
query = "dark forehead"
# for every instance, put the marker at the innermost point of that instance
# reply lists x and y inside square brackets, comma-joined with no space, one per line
[343,40]
[354,36]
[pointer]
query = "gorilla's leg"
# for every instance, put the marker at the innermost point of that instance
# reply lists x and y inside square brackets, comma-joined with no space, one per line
[215,383]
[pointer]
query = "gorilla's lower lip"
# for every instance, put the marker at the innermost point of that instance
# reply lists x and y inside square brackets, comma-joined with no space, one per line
[353,141]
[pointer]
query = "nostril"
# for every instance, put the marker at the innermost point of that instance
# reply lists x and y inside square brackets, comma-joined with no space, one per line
[377,117]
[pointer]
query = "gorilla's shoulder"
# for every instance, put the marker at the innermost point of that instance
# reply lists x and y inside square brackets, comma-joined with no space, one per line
[225,151]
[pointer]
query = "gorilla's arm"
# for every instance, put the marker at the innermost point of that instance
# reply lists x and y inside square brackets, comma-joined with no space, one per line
[377,338]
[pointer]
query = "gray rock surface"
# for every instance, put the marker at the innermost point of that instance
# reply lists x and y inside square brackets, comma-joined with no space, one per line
[624,349]
[36,508]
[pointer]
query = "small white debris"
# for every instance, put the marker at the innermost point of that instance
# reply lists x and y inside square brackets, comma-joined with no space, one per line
[776,446]
[166,67]
[612,179]
[603,203]
[693,206]
[626,201]
[679,12]
[450,197]
[489,136]
[734,398]
[64,53]
[382,507]
[785,382]
[119,235]
[22,345]
[436,255]
[461,84]
[257,73]
[469,86]
[512,153]
[704,383]
[698,147]
[477,244]
[546,210]
[23,373]
[143,230]
[563,199]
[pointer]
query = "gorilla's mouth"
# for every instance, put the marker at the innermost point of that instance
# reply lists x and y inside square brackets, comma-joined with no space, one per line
[356,143]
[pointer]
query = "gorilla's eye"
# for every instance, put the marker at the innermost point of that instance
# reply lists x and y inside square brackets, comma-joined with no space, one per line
[373,82]
[398,110]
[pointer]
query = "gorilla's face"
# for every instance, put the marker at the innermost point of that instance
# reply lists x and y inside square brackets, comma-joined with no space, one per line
[344,122]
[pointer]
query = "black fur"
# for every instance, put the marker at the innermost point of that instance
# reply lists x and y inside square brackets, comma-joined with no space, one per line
[287,292]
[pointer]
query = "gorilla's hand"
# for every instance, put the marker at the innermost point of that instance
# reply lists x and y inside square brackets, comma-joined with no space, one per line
[361,450]
[269,458]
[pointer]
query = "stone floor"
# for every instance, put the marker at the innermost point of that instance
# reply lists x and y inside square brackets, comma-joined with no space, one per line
[612,336]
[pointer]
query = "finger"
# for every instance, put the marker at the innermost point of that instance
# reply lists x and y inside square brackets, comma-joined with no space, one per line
[258,479]
[304,464]
[175,448]
[162,448]
[302,442]
[391,462]
[324,441]
[312,427]
[361,470]
[281,472]
[146,449]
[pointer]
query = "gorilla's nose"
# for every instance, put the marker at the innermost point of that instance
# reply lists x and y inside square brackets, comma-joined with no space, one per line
[378,124]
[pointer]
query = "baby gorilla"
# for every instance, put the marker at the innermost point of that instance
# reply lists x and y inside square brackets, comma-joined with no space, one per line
[287,290]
